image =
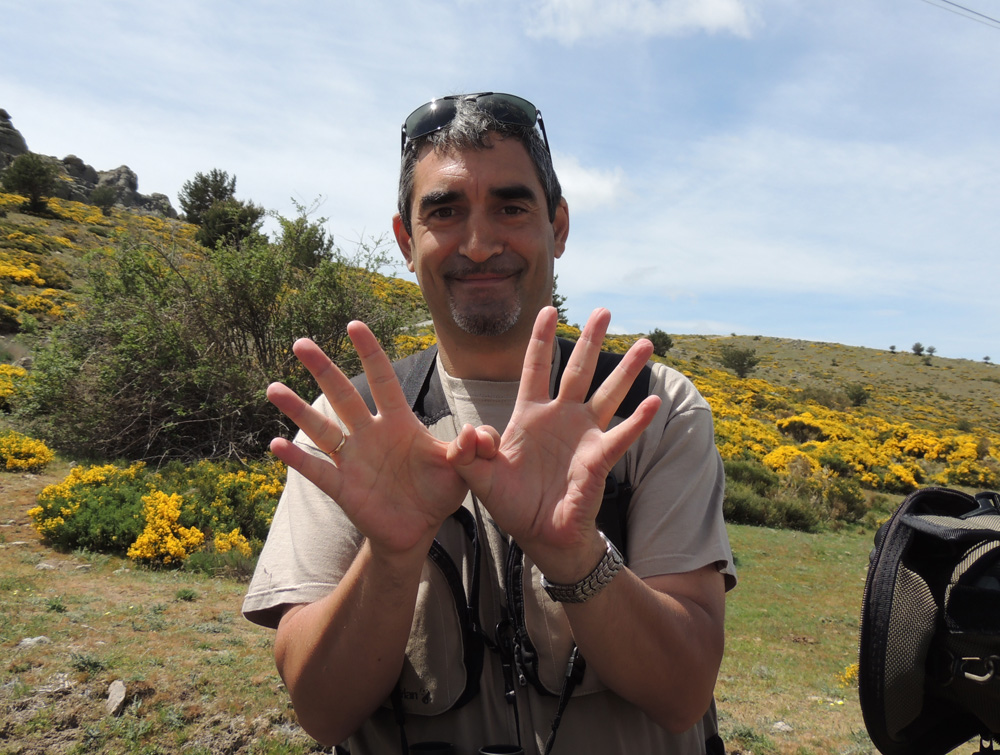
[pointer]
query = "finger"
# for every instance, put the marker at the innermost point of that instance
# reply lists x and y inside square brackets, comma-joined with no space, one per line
[462,450]
[579,371]
[336,386]
[487,442]
[322,430]
[473,443]
[382,380]
[537,367]
[610,394]
[319,472]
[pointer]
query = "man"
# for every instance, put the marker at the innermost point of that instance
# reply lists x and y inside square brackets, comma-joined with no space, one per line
[405,610]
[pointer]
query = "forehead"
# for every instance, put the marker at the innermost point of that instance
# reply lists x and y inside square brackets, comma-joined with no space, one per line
[502,162]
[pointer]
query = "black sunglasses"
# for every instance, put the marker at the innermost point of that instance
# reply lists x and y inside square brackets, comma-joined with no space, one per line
[439,112]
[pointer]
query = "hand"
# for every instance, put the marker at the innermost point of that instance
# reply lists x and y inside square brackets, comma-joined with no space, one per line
[390,475]
[544,481]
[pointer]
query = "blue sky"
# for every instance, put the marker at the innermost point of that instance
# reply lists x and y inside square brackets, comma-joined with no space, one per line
[823,171]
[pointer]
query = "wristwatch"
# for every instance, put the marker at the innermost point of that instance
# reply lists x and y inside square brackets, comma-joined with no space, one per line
[610,564]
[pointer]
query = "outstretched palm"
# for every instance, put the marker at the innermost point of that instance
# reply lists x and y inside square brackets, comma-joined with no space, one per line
[391,476]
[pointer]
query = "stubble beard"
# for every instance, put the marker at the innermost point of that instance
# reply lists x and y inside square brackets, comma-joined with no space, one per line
[486,323]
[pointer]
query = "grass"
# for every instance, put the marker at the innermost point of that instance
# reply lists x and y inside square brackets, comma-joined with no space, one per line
[792,628]
[200,679]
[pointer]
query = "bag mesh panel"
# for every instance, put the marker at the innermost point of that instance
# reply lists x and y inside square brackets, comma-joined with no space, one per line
[989,523]
[911,627]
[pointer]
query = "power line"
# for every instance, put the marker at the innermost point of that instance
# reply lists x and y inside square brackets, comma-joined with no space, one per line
[983,18]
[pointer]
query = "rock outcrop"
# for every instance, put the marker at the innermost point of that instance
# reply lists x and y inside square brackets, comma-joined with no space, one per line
[80,179]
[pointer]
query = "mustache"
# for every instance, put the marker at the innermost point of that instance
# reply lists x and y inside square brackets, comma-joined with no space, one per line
[498,265]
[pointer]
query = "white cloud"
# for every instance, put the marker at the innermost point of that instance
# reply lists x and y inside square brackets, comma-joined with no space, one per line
[571,20]
[588,188]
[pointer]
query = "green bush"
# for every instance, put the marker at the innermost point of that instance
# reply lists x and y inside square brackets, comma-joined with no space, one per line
[174,346]
[759,478]
[31,176]
[845,500]
[662,342]
[97,509]
[741,361]
[100,508]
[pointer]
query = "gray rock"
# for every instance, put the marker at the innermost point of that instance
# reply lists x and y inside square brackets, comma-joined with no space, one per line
[81,178]
[115,703]
[12,144]
[44,567]
[30,642]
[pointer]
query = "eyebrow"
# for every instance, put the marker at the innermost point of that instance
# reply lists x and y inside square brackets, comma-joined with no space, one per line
[437,198]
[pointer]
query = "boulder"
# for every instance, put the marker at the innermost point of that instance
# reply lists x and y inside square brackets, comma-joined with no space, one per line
[12,143]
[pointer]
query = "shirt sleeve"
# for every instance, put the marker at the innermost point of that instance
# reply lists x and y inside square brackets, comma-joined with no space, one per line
[675,521]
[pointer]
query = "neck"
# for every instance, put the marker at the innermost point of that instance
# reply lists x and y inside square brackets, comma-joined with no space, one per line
[496,358]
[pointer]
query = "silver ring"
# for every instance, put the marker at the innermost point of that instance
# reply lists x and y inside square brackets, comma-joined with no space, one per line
[334,452]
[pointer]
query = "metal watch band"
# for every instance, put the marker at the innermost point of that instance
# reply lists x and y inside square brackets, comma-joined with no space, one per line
[610,564]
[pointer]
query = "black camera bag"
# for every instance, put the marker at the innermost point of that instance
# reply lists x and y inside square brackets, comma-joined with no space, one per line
[929,649]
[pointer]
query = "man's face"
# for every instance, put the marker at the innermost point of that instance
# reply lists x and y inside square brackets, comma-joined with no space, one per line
[482,245]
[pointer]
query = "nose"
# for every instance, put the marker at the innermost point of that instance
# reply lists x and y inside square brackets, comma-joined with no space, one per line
[482,239]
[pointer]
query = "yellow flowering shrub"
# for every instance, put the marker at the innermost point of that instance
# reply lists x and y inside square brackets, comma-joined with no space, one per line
[227,541]
[164,540]
[19,453]
[97,508]
[784,458]
[407,343]
[11,380]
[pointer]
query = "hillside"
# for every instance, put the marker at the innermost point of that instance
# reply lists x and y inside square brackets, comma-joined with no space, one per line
[198,679]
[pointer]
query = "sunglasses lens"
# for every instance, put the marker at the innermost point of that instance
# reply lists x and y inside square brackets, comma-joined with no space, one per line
[507,108]
[429,117]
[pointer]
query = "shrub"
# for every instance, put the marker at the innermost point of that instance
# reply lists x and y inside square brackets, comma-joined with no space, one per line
[98,508]
[740,361]
[662,342]
[759,478]
[174,346]
[164,540]
[33,177]
[742,505]
[857,394]
[845,500]
[104,197]
[11,379]
[19,453]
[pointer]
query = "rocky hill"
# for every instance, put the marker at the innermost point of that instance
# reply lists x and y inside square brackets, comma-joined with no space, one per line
[80,179]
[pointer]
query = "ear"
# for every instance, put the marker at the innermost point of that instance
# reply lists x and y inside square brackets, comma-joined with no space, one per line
[403,240]
[560,227]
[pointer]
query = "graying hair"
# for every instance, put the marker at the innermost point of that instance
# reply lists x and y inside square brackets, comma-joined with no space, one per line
[471,128]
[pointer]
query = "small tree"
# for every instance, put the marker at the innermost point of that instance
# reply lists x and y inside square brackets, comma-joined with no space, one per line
[31,176]
[104,197]
[231,222]
[199,194]
[558,300]
[857,394]
[918,349]
[662,342]
[892,349]
[740,361]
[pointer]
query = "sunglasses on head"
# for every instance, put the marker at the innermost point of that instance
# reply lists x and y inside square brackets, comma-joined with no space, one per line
[438,113]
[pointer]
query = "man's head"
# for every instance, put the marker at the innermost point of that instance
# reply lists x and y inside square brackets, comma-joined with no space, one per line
[484,218]
[471,121]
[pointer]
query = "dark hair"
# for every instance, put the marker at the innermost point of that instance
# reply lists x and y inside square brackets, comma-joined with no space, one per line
[472,128]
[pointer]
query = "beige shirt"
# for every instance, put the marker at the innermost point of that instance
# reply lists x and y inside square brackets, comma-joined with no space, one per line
[674,525]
